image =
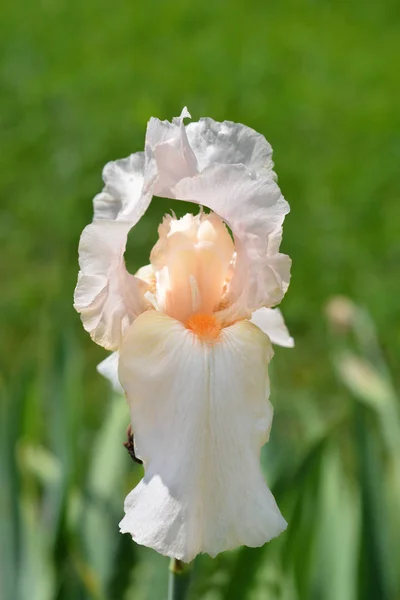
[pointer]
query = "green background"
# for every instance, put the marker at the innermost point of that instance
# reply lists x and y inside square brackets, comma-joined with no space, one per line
[321,81]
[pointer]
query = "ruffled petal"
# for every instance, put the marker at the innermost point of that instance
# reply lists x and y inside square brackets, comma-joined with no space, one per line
[169,156]
[107,296]
[270,321]
[200,414]
[254,208]
[224,166]
[123,196]
[229,143]
[227,167]
[109,369]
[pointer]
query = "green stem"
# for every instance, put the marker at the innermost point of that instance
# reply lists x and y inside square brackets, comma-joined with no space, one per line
[179,579]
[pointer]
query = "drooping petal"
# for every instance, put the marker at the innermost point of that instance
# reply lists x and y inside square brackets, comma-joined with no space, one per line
[107,296]
[270,321]
[109,369]
[200,413]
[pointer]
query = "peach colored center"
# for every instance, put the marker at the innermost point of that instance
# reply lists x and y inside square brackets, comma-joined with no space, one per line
[207,327]
[192,262]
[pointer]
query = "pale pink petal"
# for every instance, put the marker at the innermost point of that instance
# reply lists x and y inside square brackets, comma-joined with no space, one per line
[123,197]
[227,167]
[169,156]
[223,166]
[200,414]
[107,296]
[254,208]
[270,321]
[229,143]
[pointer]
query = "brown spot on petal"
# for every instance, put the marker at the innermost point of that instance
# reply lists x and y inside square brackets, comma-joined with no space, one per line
[130,446]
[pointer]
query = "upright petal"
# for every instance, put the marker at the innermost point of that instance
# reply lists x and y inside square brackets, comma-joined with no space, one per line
[179,151]
[107,296]
[230,144]
[200,413]
[123,196]
[227,167]
[270,321]
[169,156]
[254,208]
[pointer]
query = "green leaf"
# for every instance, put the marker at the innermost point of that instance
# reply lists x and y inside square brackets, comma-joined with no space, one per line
[339,528]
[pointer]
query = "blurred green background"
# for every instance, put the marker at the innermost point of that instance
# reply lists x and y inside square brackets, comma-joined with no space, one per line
[320,79]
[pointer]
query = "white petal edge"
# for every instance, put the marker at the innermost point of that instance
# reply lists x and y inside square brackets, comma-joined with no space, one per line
[271,322]
[107,297]
[229,143]
[169,156]
[109,369]
[123,197]
[200,414]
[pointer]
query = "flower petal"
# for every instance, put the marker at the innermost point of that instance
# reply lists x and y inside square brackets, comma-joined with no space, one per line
[122,197]
[254,208]
[227,167]
[270,321]
[107,296]
[169,156]
[200,414]
[224,166]
[109,369]
[229,143]
[192,260]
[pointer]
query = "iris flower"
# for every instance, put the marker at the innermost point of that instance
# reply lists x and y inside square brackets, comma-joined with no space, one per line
[191,332]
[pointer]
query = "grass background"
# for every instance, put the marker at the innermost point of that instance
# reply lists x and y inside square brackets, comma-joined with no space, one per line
[320,80]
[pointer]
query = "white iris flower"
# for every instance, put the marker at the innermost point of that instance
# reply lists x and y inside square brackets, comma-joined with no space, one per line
[193,331]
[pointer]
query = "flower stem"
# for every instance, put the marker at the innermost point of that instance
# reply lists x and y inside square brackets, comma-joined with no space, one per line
[179,579]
